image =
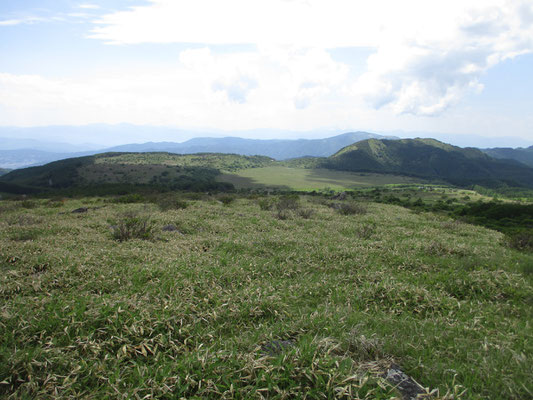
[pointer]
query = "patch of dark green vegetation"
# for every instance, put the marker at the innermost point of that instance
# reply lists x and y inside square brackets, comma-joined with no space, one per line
[132,226]
[4,171]
[431,159]
[111,173]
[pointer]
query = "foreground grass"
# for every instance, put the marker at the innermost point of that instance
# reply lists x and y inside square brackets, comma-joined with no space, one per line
[189,313]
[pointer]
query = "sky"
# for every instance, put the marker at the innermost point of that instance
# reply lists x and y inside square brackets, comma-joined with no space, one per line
[311,66]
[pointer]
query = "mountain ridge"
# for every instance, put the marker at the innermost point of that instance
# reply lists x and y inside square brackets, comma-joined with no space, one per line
[423,158]
[279,149]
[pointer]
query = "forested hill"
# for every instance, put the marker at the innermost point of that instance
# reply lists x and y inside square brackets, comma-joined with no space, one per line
[522,155]
[429,158]
[173,171]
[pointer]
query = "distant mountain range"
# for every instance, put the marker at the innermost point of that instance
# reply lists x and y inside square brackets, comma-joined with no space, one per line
[20,153]
[277,149]
[423,158]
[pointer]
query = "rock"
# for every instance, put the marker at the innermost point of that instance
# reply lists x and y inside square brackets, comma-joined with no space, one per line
[276,347]
[80,210]
[407,386]
[170,228]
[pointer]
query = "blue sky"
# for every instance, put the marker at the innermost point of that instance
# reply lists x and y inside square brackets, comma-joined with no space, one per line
[458,67]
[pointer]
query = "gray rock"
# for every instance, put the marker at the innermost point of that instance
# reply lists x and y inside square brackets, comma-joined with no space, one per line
[80,210]
[170,228]
[407,386]
[276,347]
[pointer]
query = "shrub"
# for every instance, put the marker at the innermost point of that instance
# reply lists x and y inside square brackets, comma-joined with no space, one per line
[130,198]
[521,241]
[133,226]
[288,202]
[265,204]
[226,199]
[305,213]
[55,202]
[172,204]
[28,204]
[282,214]
[349,208]
[366,231]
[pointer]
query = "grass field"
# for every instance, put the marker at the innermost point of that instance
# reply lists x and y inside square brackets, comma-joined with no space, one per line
[309,179]
[192,313]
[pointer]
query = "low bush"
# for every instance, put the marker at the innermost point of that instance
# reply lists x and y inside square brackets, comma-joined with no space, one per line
[305,213]
[366,231]
[265,204]
[282,214]
[133,226]
[28,204]
[288,202]
[349,208]
[130,198]
[172,204]
[226,199]
[521,241]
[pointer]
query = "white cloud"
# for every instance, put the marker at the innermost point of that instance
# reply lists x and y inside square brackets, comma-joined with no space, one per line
[19,21]
[267,88]
[89,6]
[429,54]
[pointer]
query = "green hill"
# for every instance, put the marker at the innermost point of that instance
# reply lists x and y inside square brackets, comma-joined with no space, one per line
[173,171]
[524,156]
[429,158]
[425,159]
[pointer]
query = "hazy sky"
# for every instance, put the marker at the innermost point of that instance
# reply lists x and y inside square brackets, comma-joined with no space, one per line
[434,66]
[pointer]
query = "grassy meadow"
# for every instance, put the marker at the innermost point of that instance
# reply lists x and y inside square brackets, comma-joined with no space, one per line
[307,179]
[196,296]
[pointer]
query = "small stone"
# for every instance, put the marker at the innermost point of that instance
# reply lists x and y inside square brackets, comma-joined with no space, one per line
[170,228]
[276,347]
[80,210]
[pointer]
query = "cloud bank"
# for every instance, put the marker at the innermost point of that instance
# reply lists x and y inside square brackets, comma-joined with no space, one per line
[428,54]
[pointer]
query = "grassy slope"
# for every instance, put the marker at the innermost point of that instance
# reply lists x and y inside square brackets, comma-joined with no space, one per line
[184,316]
[280,176]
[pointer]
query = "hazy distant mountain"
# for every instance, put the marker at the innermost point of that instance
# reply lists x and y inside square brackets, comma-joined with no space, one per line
[13,143]
[429,158]
[278,149]
[22,158]
[522,155]
[4,171]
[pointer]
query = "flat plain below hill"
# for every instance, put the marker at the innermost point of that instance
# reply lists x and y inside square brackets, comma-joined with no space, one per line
[144,300]
[308,179]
